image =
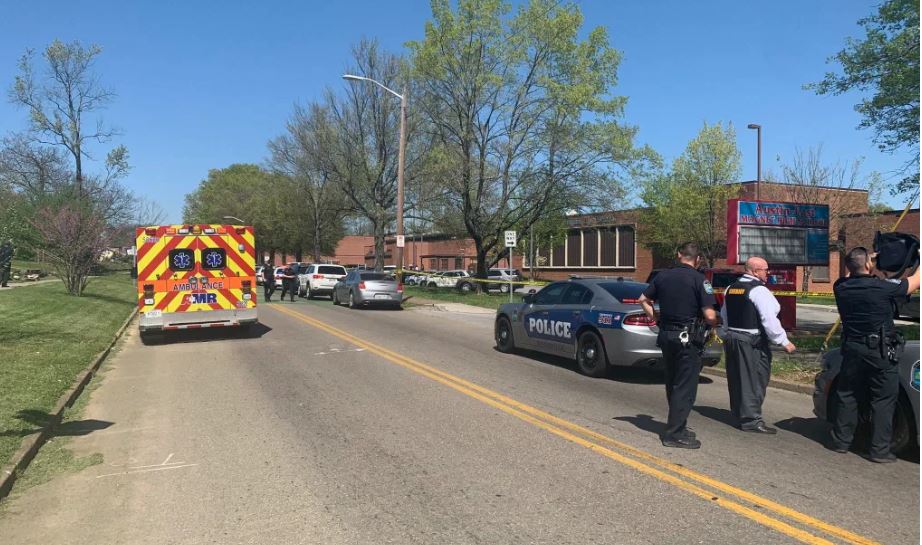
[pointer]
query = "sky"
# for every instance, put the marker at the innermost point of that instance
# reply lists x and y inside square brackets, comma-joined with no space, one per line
[203,85]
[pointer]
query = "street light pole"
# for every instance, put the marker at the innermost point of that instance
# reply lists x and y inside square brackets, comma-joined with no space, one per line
[236,219]
[758,129]
[400,159]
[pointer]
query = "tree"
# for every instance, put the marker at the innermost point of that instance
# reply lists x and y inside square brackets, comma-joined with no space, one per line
[59,97]
[298,155]
[886,63]
[809,179]
[521,110]
[690,202]
[361,149]
[248,192]
[31,169]
[74,238]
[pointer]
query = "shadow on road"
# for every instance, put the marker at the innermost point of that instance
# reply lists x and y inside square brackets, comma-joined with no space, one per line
[812,428]
[644,422]
[720,415]
[38,420]
[210,334]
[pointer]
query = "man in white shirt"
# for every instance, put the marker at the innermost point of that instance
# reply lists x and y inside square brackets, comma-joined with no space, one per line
[749,323]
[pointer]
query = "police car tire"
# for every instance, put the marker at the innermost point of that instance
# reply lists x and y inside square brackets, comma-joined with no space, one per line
[504,288]
[601,366]
[508,346]
[334,298]
[352,300]
[432,285]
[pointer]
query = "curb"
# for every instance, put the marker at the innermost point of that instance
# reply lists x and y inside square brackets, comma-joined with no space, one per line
[774,383]
[31,445]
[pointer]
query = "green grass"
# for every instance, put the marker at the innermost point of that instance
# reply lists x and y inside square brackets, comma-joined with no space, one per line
[46,338]
[818,300]
[451,295]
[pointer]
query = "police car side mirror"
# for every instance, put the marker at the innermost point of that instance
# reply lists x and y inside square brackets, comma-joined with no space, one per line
[529,299]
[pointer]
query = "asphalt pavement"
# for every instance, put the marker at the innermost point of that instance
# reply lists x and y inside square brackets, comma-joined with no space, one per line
[332,425]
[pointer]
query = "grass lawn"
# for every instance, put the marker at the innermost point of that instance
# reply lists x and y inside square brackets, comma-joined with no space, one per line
[818,300]
[46,338]
[451,295]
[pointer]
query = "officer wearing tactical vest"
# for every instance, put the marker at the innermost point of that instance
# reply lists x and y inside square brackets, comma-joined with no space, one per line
[871,350]
[686,304]
[749,325]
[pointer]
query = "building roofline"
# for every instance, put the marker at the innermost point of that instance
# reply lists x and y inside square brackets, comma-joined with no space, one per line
[788,184]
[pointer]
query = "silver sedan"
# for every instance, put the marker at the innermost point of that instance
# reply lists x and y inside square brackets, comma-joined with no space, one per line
[368,288]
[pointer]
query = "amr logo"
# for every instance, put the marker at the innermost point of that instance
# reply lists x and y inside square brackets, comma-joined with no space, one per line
[199,298]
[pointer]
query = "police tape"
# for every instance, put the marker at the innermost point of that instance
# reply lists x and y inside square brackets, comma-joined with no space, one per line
[422,278]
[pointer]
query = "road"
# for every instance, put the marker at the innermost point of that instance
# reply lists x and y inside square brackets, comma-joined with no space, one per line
[348,426]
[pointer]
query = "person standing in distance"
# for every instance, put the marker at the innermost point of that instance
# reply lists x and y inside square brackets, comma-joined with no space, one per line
[289,282]
[684,297]
[6,262]
[871,348]
[268,280]
[749,323]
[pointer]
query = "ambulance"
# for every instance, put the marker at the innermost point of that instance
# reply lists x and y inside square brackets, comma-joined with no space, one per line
[195,276]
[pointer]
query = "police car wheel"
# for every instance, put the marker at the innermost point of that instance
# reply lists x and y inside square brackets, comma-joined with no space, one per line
[334,298]
[503,332]
[352,300]
[504,288]
[590,355]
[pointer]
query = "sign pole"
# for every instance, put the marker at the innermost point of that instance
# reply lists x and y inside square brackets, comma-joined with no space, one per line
[510,274]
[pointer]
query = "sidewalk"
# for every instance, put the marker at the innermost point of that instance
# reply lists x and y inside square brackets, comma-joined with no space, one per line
[446,306]
[27,284]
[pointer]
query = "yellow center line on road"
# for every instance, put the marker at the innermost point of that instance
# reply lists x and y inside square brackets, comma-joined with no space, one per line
[596,441]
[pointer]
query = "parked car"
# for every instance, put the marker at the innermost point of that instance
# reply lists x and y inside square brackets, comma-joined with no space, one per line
[32,274]
[908,307]
[906,416]
[505,275]
[320,279]
[259,274]
[368,288]
[446,279]
[596,321]
[279,271]
[415,278]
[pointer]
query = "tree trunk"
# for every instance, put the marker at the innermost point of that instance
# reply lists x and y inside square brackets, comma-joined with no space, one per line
[299,253]
[379,245]
[805,281]
[481,262]
[317,238]
[272,257]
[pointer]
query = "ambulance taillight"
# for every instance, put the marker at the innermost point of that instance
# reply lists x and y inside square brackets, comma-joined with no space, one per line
[151,231]
[247,288]
[148,294]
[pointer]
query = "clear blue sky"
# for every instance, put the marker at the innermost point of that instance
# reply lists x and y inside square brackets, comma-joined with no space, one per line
[204,85]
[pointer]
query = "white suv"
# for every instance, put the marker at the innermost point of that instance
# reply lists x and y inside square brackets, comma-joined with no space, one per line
[320,279]
[445,279]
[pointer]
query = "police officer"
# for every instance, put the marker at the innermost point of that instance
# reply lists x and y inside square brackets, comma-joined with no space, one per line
[289,282]
[6,262]
[684,297]
[871,348]
[749,323]
[268,280]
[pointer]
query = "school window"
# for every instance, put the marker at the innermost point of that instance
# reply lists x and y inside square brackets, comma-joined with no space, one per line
[594,247]
[820,274]
[459,262]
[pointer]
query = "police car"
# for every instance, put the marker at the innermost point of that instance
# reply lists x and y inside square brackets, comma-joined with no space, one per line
[596,321]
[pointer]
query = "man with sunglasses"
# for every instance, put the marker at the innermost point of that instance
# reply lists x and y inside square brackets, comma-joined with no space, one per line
[871,347]
[749,325]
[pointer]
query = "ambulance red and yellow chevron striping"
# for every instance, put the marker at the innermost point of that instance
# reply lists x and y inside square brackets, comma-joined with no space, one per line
[187,270]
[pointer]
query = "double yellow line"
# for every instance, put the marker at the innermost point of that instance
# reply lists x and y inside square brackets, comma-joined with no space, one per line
[712,490]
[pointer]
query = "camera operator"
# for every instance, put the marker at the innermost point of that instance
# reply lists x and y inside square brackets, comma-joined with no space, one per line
[871,348]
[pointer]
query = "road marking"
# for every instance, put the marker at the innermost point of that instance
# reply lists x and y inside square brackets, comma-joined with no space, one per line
[591,440]
[339,351]
[148,470]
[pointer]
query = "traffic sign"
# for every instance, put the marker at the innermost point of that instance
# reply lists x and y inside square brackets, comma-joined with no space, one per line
[510,239]
[401,241]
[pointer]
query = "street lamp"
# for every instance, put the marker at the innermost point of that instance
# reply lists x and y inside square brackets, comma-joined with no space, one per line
[235,218]
[400,159]
[758,129]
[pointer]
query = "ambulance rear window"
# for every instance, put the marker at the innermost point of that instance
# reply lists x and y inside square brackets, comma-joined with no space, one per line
[182,259]
[214,258]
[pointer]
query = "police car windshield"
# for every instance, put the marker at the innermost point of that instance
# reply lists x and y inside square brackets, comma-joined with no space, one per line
[625,292]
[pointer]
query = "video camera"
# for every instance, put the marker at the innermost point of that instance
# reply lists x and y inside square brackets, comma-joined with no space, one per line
[897,253]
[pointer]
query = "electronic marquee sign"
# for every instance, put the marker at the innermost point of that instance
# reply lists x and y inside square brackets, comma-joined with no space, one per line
[783,233]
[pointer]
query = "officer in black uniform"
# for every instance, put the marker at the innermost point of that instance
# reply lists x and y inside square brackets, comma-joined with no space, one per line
[871,348]
[268,280]
[686,304]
